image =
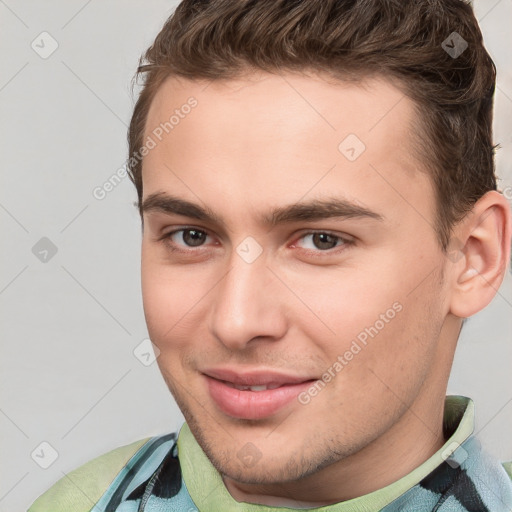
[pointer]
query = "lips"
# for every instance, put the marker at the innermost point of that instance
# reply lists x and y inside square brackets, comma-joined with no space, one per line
[253,394]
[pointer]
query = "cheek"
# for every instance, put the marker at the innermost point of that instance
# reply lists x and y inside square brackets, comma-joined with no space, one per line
[391,352]
[159,295]
[163,309]
[172,299]
[369,319]
[343,303]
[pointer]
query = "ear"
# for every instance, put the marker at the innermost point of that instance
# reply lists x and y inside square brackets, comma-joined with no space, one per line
[479,254]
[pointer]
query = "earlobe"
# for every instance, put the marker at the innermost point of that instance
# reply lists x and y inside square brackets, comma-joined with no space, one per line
[484,237]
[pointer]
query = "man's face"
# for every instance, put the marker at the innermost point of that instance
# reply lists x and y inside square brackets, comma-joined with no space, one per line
[309,269]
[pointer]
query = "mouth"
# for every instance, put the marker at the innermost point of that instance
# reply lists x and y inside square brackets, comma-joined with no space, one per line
[262,387]
[253,394]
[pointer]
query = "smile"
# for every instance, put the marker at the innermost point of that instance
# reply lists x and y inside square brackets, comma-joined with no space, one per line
[253,395]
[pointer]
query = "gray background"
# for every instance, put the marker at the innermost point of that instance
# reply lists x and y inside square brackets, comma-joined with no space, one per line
[70,324]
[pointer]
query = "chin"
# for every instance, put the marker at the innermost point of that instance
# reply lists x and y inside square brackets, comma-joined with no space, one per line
[263,473]
[273,466]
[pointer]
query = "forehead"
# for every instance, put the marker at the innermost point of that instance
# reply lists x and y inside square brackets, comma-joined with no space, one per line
[280,137]
[330,105]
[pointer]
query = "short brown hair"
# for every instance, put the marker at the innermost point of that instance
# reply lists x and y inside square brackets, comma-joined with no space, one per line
[405,41]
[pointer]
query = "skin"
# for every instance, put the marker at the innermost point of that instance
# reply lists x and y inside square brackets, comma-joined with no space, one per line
[270,141]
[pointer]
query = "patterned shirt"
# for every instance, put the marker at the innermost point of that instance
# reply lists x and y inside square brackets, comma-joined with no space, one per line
[171,473]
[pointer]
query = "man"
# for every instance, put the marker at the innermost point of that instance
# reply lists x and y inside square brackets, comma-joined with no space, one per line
[320,213]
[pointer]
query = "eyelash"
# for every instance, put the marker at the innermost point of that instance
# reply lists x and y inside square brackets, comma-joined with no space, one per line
[344,242]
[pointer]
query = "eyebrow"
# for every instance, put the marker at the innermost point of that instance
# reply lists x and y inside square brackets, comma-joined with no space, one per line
[313,210]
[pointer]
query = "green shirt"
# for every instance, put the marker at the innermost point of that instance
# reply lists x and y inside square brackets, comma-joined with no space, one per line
[163,474]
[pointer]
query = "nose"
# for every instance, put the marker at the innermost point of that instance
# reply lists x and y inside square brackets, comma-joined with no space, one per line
[247,305]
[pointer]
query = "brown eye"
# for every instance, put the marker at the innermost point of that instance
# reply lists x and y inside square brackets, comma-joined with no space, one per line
[321,241]
[186,238]
[323,244]
[324,241]
[193,237]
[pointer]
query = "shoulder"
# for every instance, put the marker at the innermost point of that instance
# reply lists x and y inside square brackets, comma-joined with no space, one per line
[82,488]
[508,468]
